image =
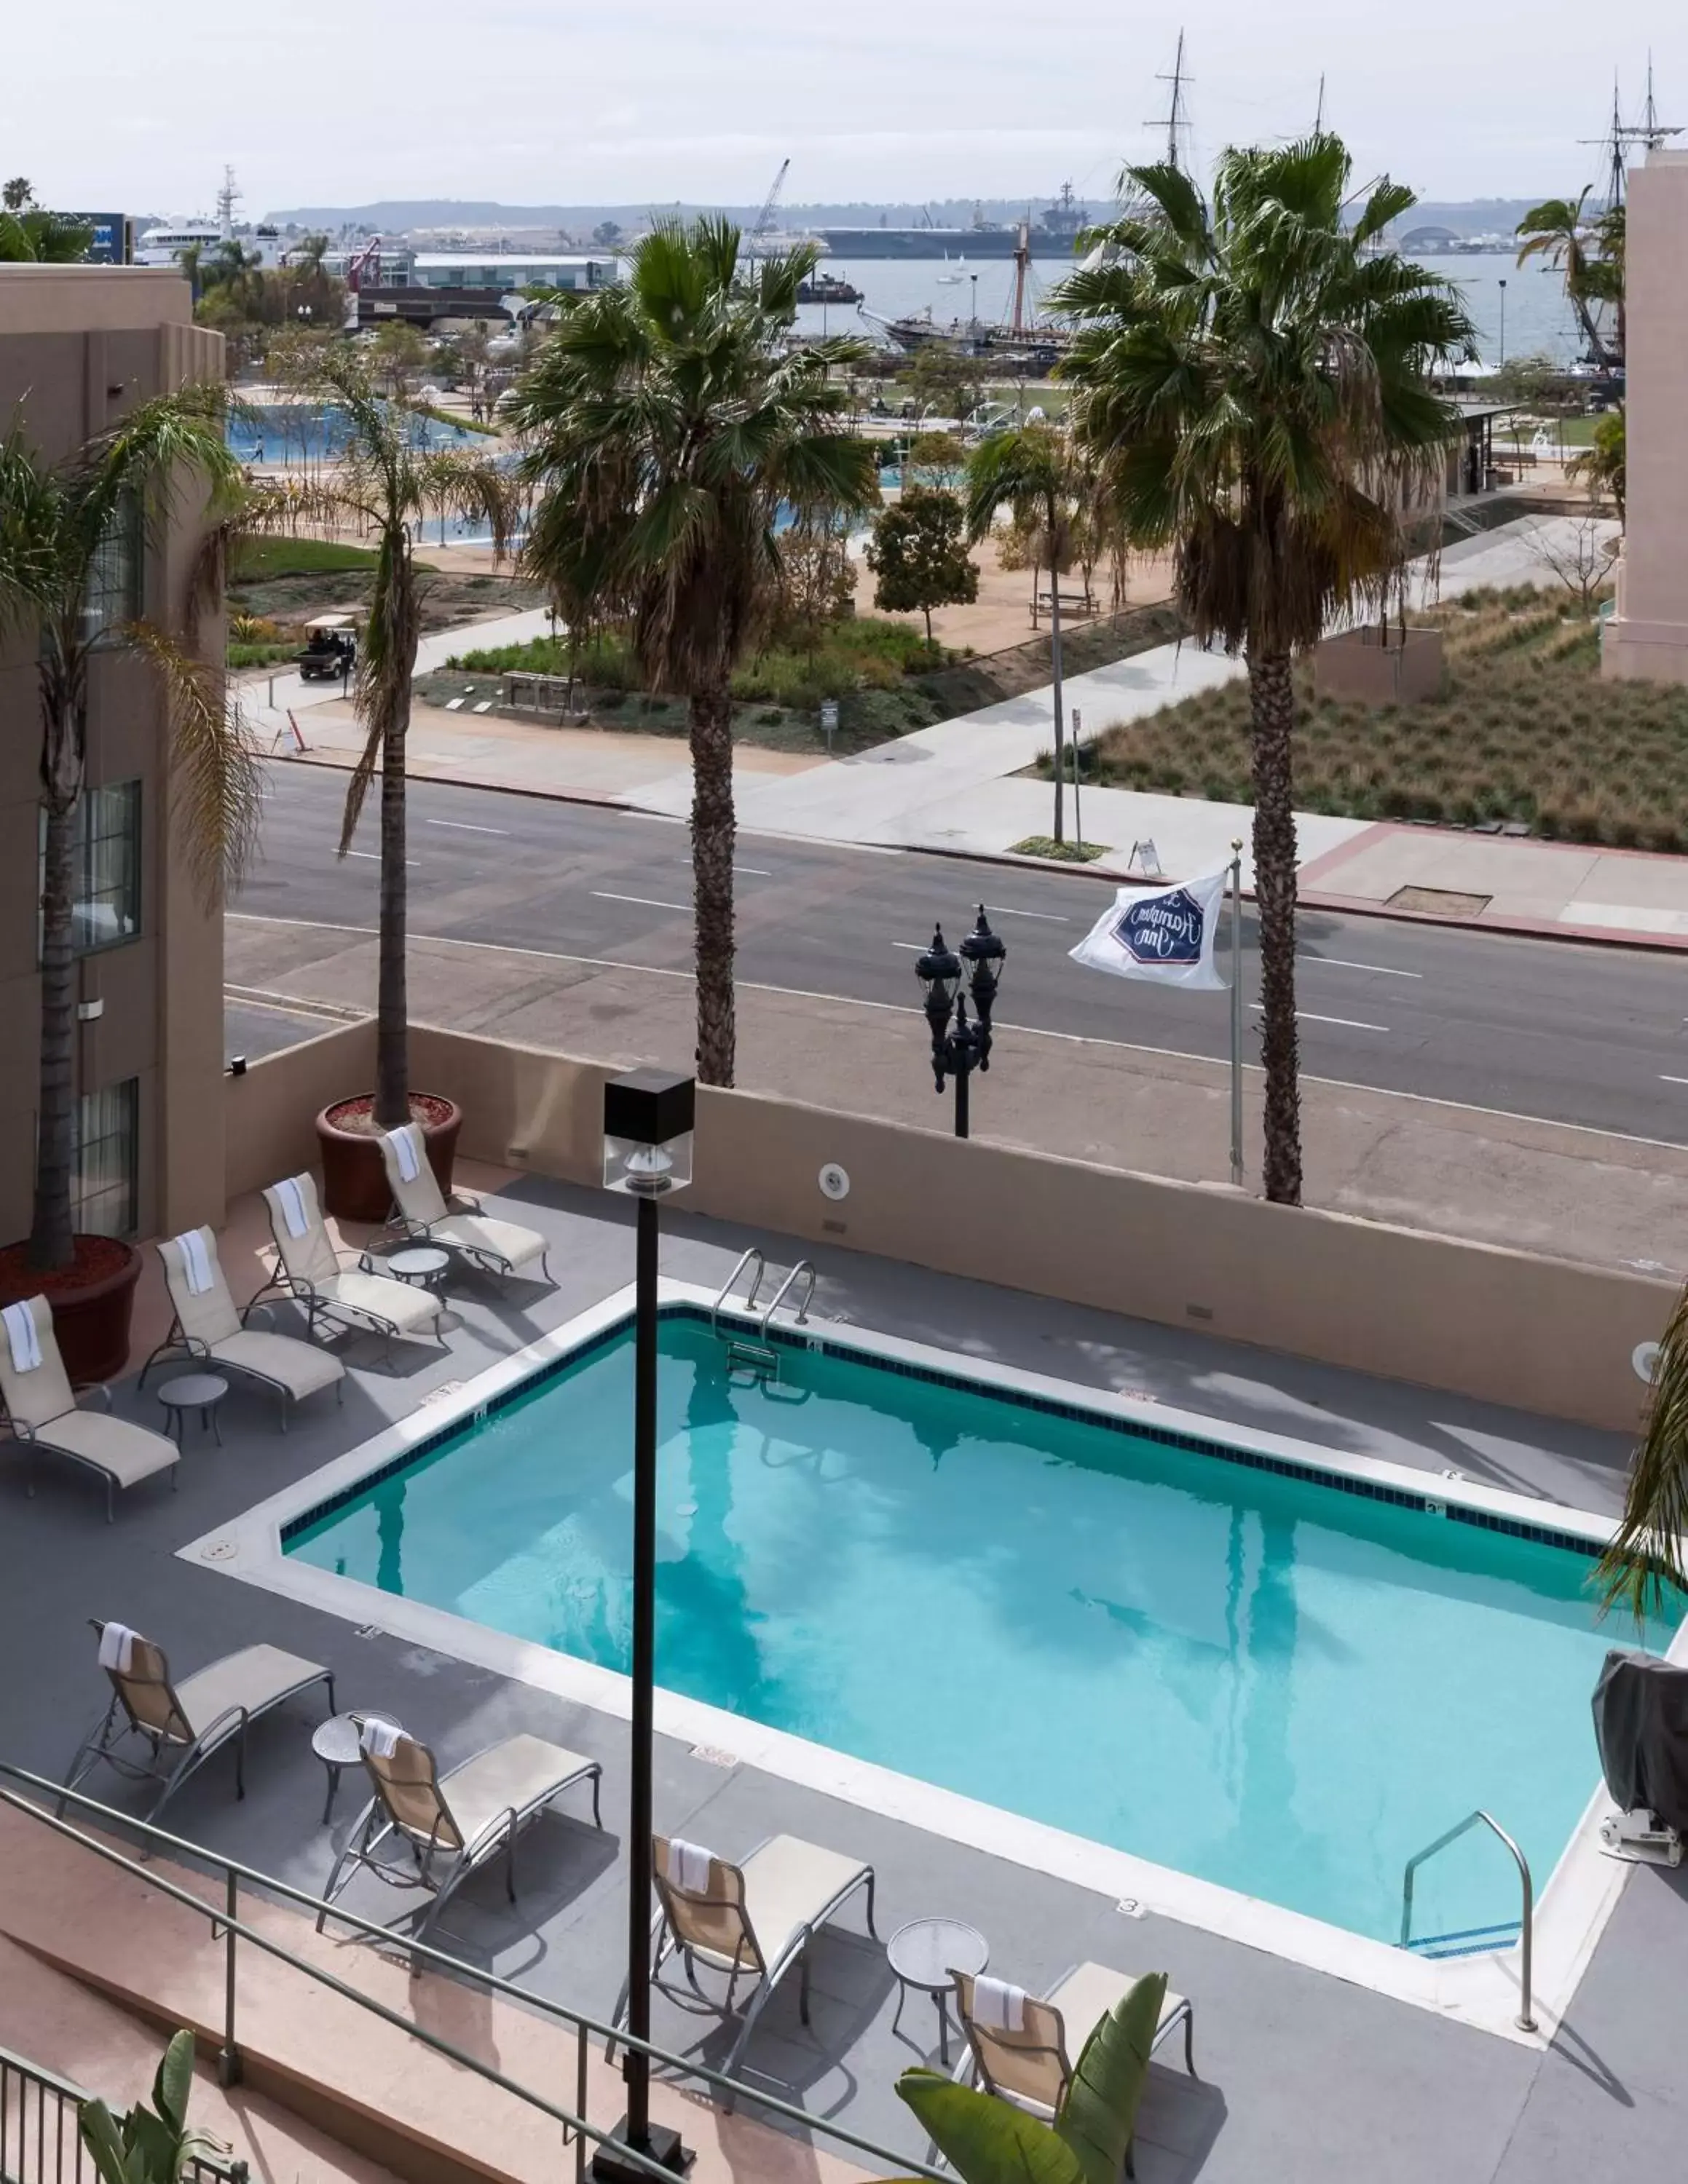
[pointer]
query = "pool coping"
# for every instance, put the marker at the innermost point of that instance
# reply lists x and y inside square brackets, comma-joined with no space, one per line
[1571,1910]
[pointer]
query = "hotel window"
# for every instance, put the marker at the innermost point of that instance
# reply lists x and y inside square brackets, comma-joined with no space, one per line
[105,908]
[105,1188]
[113,592]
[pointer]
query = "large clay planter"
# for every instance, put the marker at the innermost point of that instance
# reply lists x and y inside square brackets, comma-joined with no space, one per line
[354,1179]
[91,1315]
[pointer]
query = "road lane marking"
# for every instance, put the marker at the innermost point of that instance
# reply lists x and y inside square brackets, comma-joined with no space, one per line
[374,856]
[1216,1061]
[1672,1080]
[467,826]
[645,901]
[915,947]
[1044,917]
[1306,1016]
[753,871]
[1342,963]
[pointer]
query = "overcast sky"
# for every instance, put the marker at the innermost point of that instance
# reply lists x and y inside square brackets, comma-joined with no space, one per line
[329,102]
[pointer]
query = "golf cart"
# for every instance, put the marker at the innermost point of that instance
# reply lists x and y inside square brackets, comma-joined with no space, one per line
[330,653]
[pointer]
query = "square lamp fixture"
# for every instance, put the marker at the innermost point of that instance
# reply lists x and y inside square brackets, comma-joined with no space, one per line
[647,1133]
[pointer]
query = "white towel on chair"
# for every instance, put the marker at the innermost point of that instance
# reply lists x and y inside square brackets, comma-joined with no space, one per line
[195,1261]
[998,2006]
[117,1647]
[21,1332]
[405,1151]
[292,1205]
[689,1867]
[380,1737]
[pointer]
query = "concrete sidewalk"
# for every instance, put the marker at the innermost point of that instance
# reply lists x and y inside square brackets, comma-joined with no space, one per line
[1592,1195]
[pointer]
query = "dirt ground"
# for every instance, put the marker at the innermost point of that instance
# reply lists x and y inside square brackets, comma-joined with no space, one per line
[1001,615]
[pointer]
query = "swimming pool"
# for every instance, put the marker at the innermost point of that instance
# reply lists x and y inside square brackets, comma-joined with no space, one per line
[313,432]
[1282,1683]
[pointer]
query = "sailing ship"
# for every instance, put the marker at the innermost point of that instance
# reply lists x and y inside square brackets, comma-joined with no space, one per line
[1019,342]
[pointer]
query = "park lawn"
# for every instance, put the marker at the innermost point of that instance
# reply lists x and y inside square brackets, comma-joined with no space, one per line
[259,561]
[1524,731]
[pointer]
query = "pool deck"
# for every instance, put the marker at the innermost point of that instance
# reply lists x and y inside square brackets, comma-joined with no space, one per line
[1304,2076]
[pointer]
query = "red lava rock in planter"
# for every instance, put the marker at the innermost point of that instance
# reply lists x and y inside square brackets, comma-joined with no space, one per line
[91,1301]
[353,1180]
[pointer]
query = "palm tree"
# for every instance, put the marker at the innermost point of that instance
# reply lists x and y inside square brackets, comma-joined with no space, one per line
[668,424]
[1557,230]
[1644,1564]
[29,235]
[387,483]
[1039,472]
[71,538]
[1252,379]
[1604,467]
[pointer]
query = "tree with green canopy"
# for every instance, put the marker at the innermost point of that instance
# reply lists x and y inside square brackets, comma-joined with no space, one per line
[918,554]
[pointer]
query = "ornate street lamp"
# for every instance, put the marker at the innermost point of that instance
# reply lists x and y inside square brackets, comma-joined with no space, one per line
[648,1117]
[959,1047]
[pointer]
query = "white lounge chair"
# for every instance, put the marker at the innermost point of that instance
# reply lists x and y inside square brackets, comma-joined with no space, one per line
[40,1408]
[1023,2049]
[447,1826]
[344,1292]
[185,1723]
[502,1247]
[756,1919]
[208,1326]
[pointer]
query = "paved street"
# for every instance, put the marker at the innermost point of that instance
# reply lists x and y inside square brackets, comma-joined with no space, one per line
[1591,1036]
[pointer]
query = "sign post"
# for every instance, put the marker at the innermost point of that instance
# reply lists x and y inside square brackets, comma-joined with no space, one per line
[828,720]
[1078,820]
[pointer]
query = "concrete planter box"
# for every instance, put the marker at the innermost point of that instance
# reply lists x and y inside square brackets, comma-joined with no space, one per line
[1373,666]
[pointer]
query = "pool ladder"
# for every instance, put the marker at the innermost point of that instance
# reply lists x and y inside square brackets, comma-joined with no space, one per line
[756,1355]
[1476,1941]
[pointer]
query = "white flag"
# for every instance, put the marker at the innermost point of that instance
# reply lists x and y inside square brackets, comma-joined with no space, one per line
[1166,934]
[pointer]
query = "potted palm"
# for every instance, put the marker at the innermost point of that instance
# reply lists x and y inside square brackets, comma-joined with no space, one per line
[72,533]
[385,483]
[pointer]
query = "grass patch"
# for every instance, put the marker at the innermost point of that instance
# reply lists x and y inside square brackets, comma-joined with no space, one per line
[260,654]
[257,561]
[1067,853]
[1524,731]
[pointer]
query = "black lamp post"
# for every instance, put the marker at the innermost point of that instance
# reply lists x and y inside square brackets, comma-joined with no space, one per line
[647,1155]
[959,1047]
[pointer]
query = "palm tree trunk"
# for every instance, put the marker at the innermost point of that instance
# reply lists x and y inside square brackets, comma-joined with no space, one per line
[713,832]
[1055,666]
[1271,709]
[64,702]
[393,1019]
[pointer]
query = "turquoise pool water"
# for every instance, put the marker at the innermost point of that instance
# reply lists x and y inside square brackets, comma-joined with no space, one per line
[1256,1679]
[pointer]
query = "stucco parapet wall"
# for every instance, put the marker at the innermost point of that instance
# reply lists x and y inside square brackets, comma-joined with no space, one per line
[81,299]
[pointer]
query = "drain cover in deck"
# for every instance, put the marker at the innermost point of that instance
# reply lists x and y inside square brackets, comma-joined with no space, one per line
[1439,902]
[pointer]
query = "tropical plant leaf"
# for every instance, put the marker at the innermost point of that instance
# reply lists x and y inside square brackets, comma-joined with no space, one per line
[174,2082]
[1100,2112]
[98,2128]
[987,2141]
[1644,1562]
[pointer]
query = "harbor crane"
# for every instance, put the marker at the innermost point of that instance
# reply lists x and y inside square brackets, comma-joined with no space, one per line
[764,219]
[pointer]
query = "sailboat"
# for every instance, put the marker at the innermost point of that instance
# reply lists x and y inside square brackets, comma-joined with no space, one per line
[953,279]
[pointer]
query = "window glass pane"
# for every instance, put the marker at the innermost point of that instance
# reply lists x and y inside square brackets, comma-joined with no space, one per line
[104,1191]
[113,595]
[107,909]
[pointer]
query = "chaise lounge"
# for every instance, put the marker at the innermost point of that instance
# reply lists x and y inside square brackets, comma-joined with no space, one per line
[208,1326]
[41,1409]
[425,1216]
[342,1292]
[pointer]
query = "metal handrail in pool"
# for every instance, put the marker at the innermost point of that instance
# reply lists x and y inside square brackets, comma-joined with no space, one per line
[1524,2020]
[804,1270]
[725,1290]
[225,1919]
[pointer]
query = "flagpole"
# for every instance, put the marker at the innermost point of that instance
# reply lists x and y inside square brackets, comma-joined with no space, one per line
[1237,1014]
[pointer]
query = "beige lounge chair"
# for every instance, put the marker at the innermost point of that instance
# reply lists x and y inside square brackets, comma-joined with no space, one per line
[207,1326]
[756,1919]
[185,1723]
[502,1247]
[344,1292]
[448,1826]
[40,1408]
[1032,2065]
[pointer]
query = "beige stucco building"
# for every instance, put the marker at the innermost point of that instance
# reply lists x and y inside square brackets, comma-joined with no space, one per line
[1646,638]
[79,345]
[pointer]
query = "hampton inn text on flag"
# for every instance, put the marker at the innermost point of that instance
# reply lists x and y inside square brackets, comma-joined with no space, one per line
[1164,934]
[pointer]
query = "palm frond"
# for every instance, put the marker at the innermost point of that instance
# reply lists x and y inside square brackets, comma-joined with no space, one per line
[216,778]
[1646,1561]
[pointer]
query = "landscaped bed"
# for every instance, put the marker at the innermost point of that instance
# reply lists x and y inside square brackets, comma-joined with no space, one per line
[884,679]
[1524,731]
[284,581]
